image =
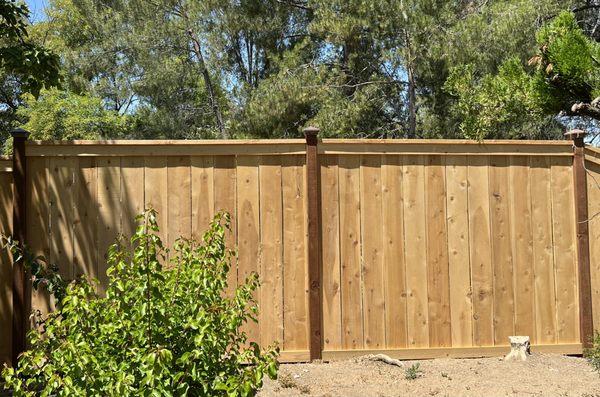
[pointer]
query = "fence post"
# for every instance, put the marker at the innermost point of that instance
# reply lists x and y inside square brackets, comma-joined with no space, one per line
[586,326]
[315,305]
[19,227]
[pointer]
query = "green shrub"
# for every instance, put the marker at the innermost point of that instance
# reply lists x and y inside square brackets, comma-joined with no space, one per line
[159,331]
[593,354]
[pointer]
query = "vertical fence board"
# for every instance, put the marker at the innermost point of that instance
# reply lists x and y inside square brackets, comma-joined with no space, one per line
[6,275]
[330,218]
[563,228]
[203,196]
[593,184]
[109,211]
[38,218]
[416,251]
[61,215]
[522,236]
[350,257]
[545,296]
[85,225]
[132,193]
[372,253]
[438,288]
[156,191]
[461,308]
[501,250]
[248,226]
[179,200]
[224,200]
[295,326]
[393,252]
[271,260]
[480,252]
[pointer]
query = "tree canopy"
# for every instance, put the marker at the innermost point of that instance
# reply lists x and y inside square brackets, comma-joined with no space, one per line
[361,68]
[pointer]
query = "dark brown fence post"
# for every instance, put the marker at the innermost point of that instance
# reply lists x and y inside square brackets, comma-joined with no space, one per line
[586,326]
[315,304]
[19,227]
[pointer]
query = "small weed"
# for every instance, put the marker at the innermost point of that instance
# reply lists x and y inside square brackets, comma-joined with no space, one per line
[287,381]
[445,375]
[593,354]
[413,372]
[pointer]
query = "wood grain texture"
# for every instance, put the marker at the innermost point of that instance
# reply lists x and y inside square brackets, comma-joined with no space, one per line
[85,223]
[225,201]
[248,242]
[38,218]
[61,185]
[457,206]
[330,215]
[350,252]
[593,190]
[203,195]
[156,192]
[415,237]
[6,276]
[393,252]
[133,201]
[295,293]
[502,256]
[109,212]
[482,276]
[372,253]
[438,284]
[565,257]
[522,246]
[543,255]
[271,252]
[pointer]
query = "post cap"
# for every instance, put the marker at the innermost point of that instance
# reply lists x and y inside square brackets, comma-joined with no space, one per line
[311,131]
[575,134]
[19,133]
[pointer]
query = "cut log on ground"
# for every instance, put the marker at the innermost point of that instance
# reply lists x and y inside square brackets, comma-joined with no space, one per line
[519,348]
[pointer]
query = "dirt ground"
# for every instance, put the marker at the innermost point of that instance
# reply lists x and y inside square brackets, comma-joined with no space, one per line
[541,375]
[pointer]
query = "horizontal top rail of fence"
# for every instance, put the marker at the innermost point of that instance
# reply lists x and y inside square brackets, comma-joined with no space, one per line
[298,146]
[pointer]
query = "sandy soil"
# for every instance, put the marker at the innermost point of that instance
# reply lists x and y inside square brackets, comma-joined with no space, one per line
[541,375]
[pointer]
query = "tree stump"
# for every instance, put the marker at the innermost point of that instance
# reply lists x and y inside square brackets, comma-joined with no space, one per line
[519,348]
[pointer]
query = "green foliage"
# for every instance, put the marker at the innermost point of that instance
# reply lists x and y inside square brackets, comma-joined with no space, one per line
[495,105]
[35,66]
[413,372]
[159,331]
[43,274]
[593,354]
[565,71]
[567,66]
[58,114]
[267,68]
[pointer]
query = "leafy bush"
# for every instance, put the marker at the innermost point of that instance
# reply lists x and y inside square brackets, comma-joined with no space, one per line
[159,331]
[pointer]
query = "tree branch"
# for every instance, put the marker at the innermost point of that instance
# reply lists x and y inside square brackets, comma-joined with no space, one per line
[586,109]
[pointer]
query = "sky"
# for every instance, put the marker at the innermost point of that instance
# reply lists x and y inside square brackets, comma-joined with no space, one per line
[37,9]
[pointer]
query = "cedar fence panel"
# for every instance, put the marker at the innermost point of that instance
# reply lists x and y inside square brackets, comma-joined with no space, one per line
[427,248]
[447,249]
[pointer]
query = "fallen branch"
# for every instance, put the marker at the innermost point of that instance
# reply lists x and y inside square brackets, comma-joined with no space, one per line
[385,359]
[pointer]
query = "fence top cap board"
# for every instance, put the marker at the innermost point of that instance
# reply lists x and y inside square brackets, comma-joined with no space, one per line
[446,146]
[165,147]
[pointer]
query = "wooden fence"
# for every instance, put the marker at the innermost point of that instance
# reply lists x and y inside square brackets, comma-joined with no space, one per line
[413,248]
